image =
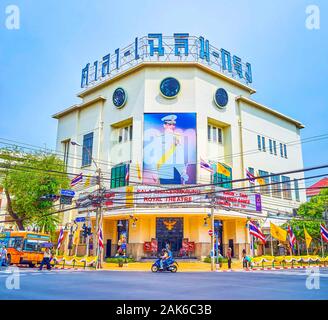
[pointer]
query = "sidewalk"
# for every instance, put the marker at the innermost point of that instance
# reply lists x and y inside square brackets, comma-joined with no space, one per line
[182,266]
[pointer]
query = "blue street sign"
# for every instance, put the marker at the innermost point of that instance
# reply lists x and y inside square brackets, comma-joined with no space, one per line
[80,219]
[67,193]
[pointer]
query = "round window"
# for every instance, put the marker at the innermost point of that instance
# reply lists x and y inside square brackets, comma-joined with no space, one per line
[221,98]
[170,87]
[119,97]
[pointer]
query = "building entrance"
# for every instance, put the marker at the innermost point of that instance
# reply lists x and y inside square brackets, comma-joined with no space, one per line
[169,230]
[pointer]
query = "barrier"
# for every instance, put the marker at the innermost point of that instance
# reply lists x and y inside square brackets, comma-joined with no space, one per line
[74,261]
[288,262]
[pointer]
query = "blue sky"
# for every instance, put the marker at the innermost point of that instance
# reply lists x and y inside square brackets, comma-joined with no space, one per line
[40,64]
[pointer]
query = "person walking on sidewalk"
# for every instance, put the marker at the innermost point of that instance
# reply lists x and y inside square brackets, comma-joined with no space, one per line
[229,256]
[3,257]
[46,259]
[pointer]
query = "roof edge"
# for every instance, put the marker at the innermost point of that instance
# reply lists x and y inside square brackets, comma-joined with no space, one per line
[274,112]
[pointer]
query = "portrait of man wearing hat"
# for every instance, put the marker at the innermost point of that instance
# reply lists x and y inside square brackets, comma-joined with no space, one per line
[173,139]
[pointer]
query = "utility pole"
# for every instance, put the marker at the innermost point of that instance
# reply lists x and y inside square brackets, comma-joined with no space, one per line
[98,219]
[212,201]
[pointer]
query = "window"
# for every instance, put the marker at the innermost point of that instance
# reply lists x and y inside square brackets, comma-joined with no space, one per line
[275,187]
[87,149]
[219,177]
[119,176]
[285,151]
[125,134]
[286,188]
[265,189]
[66,145]
[263,143]
[297,190]
[259,143]
[281,150]
[214,134]
[270,146]
[209,130]
[275,147]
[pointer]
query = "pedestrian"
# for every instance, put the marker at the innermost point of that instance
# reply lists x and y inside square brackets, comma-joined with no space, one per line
[245,262]
[3,256]
[46,259]
[229,256]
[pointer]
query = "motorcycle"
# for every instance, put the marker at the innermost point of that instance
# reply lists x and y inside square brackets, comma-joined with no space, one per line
[168,265]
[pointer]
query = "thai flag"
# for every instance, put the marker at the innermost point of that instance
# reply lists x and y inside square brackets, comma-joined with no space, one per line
[256,231]
[127,173]
[77,180]
[60,238]
[324,233]
[205,165]
[250,177]
[100,238]
[292,238]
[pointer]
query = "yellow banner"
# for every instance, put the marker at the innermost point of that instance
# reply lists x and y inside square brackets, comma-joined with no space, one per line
[129,196]
[220,168]
[308,238]
[76,239]
[138,171]
[277,232]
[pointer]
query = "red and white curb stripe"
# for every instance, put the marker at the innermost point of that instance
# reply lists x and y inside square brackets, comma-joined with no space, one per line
[283,268]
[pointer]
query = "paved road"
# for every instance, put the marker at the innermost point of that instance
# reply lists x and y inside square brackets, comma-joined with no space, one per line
[114,285]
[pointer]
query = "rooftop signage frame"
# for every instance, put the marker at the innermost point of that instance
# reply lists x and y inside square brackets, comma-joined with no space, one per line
[181,47]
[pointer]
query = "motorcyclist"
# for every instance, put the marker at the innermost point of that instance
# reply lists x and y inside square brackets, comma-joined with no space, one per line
[164,256]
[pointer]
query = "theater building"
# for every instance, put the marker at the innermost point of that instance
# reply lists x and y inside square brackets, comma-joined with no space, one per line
[175,112]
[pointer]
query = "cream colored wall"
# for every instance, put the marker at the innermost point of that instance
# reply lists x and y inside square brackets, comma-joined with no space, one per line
[197,90]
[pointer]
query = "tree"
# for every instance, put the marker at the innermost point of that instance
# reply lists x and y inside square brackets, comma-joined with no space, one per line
[312,212]
[27,177]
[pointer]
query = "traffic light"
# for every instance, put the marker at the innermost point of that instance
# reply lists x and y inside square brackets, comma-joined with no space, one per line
[49,197]
[85,230]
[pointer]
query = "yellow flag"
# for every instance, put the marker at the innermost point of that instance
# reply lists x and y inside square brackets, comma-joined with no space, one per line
[220,168]
[76,237]
[87,182]
[138,171]
[277,232]
[129,196]
[261,181]
[308,238]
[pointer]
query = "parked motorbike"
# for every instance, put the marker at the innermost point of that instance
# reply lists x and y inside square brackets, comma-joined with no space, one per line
[168,265]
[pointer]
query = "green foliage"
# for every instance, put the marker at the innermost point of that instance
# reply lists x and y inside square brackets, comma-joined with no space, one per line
[27,177]
[311,210]
[117,260]
[221,260]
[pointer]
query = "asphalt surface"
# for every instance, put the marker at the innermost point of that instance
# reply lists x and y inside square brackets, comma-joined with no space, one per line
[117,285]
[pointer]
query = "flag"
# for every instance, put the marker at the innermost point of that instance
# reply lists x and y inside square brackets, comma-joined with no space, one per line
[138,171]
[277,232]
[206,166]
[308,238]
[292,238]
[260,180]
[100,238]
[220,168]
[250,177]
[76,239]
[324,233]
[127,173]
[87,182]
[256,231]
[77,180]
[60,238]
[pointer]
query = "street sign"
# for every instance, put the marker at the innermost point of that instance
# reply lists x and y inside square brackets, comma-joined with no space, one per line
[80,219]
[65,200]
[67,193]
[210,232]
